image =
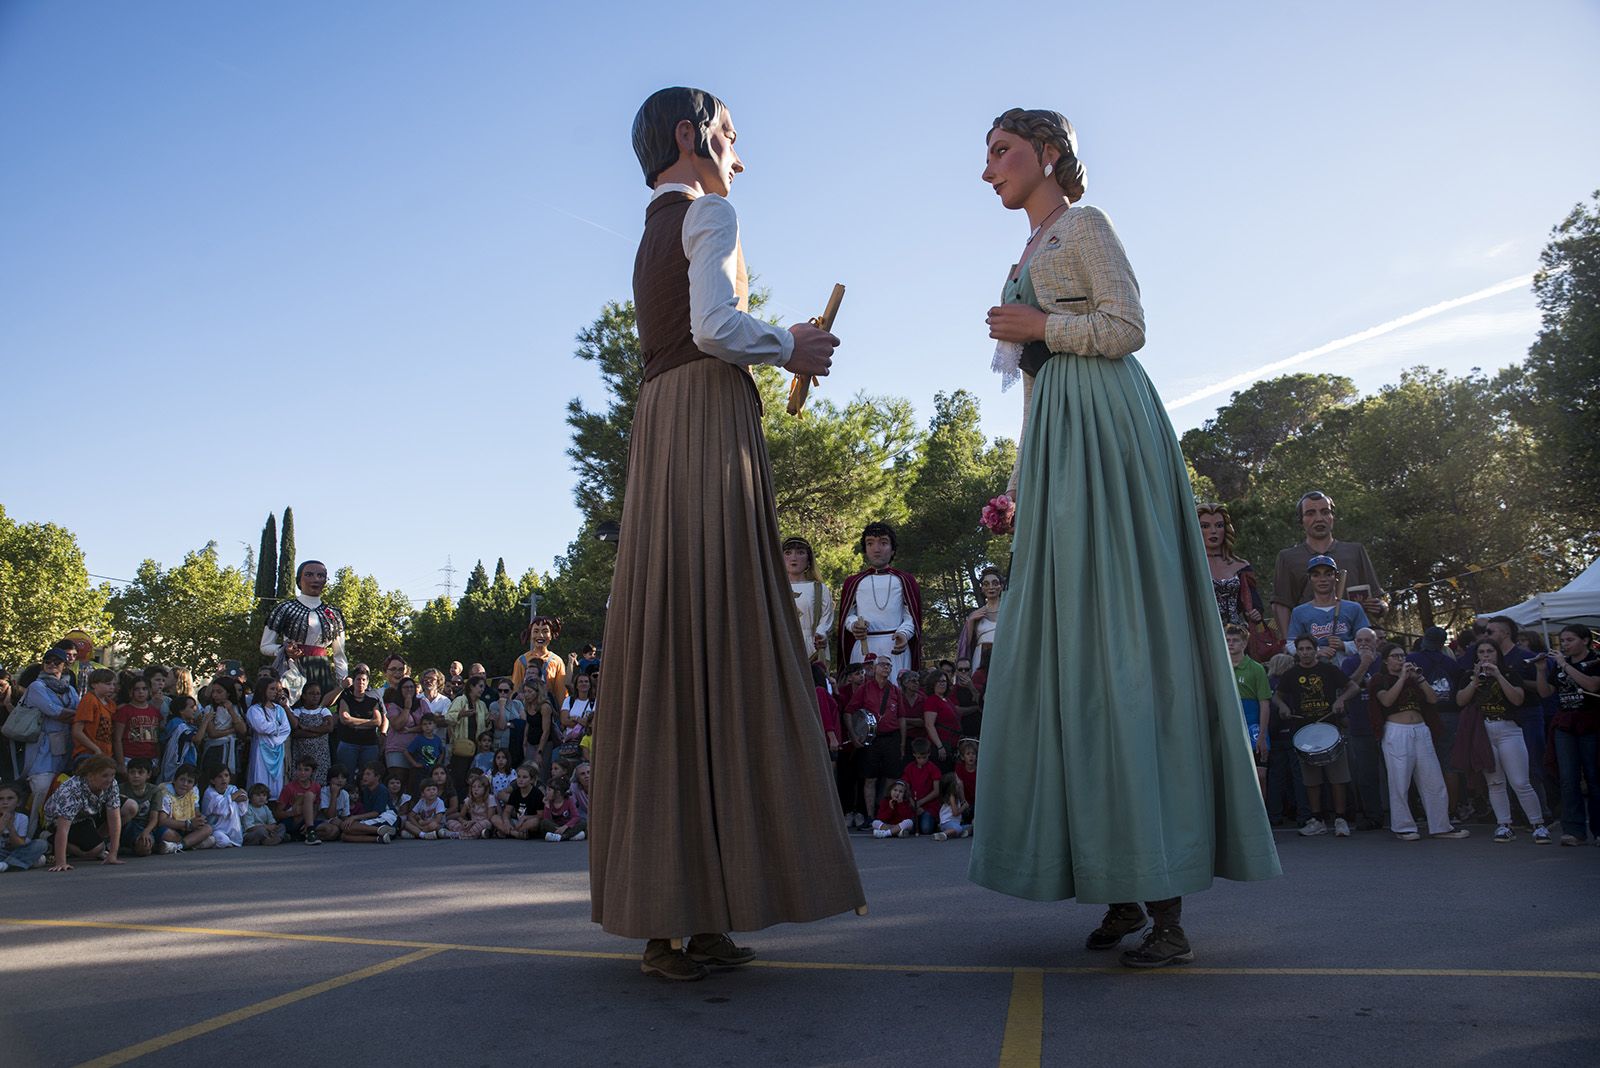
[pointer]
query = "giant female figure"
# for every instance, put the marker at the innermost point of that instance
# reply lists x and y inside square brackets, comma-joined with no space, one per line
[1115,763]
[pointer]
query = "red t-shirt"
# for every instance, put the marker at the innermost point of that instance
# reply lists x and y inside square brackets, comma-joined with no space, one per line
[892,814]
[829,711]
[947,721]
[922,779]
[293,790]
[870,697]
[143,731]
[969,781]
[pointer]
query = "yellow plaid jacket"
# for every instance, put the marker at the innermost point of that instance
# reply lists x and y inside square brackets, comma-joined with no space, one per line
[1086,286]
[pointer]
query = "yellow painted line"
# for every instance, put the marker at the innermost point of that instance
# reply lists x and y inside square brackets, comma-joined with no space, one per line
[820,966]
[228,1019]
[1023,1045]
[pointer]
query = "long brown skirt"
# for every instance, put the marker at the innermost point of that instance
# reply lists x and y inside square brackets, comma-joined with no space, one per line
[713,806]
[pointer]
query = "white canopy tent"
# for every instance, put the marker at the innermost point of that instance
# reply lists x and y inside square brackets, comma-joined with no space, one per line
[1576,602]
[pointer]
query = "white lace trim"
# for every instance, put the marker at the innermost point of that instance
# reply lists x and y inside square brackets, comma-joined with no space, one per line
[1007,363]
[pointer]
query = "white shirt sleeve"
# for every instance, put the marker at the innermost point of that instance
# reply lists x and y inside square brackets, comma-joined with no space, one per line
[824,613]
[711,241]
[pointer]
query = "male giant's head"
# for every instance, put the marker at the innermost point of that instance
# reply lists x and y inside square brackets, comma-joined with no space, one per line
[659,133]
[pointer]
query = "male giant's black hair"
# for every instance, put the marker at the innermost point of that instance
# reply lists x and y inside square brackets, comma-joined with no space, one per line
[655,139]
[879,529]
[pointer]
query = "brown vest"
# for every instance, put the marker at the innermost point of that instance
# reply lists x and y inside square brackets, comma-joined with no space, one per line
[661,287]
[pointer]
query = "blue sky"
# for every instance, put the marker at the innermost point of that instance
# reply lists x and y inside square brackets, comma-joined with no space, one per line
[334,256]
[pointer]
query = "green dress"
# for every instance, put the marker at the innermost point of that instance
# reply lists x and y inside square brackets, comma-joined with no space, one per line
[1115,762]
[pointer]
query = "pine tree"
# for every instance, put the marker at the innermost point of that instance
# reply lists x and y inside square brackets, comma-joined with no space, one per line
[286,559]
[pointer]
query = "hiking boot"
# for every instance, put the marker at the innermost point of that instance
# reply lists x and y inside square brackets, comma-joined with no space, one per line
[1161,947]
[718,951]
[668,963]
[1120,921]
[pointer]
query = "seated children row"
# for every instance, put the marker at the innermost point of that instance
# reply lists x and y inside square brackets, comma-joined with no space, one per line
[925,802]
[92,815]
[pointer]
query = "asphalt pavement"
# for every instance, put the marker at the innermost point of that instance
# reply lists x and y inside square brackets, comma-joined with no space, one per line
[1368,951]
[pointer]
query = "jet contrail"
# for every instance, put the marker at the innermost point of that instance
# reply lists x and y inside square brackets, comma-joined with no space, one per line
[1522,281]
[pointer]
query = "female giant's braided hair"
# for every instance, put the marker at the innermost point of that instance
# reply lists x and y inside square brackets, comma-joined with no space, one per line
[1042,128]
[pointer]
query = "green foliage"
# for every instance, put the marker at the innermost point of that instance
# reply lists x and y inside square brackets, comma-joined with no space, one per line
[834,470]
[1560,384]
[943,541]
[431,640]
[1234,447]
[376,621]
[286,560]
[194,614]
[266,589]
[599,451]
[44,591]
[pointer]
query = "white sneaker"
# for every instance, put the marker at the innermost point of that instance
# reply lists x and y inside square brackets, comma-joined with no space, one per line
[881,832]
[580,836]
[1407,836]
[4,866]
[174,847]
[407,834]
[1341,829]
[1313,827]
[1541,835]
[429,835]
[940,836]
[551,836]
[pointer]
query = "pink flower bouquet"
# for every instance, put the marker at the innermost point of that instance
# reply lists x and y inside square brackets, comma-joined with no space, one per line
[999,515]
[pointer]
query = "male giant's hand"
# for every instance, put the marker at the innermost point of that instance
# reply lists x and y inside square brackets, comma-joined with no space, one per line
[813,351]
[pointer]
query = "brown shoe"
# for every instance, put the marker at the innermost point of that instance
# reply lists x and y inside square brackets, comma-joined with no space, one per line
[1120,922]
[718,951]
[661,959]
[1161,947]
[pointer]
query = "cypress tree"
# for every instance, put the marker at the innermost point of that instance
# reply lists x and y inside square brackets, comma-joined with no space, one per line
[286,559]
[267,563]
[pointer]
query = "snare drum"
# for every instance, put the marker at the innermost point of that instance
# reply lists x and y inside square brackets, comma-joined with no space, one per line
[1319,743]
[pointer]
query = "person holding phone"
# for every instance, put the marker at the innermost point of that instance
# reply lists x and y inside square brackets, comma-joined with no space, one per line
[1490,738]
[1401,706]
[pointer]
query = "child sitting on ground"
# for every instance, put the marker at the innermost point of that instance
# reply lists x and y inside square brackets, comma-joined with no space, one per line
[372,816]
[895,814]
[427,814]
[952,810]
[18,852]
[399,800]
[180,824]
[440,777]
[138,828]
[523,807]
[477,810]
[333,804]
[967,772]
[297,802]
[561,822]
[501,775]
[261,826]
[87,813]
[223,806]
[922,776]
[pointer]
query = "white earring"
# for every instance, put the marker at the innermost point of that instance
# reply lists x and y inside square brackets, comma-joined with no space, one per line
[1049,169]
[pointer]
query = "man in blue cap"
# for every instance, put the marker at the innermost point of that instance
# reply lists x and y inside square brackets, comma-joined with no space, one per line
[1326,618]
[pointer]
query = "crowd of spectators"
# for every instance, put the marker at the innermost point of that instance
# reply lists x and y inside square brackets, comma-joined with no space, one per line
[103,765]
[1353,729]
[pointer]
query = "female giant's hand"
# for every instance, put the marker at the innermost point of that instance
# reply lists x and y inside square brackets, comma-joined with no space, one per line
[1020,323]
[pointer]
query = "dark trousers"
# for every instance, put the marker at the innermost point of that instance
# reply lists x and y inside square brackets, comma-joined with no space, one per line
[1533,735]
[1285,786]
[519,736]
[1578,756]
[1368,773]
